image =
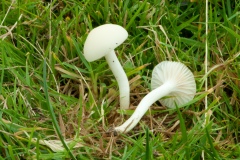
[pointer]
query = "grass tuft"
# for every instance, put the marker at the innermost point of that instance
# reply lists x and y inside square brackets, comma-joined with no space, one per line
[45,80]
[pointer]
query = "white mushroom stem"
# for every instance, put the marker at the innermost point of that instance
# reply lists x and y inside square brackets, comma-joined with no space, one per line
[121,77]
[144,105]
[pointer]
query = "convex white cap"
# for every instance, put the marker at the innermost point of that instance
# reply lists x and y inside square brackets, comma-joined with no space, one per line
[102,40]
[181,76]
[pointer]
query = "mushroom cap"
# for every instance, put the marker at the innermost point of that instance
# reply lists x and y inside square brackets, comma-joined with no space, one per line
[183,78]
[102,40]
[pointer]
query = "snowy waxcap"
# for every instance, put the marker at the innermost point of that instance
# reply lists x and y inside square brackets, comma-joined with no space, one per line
[102,40]
[185,86]
[172,79]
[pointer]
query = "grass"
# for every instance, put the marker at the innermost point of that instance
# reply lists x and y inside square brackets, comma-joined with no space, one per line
[56,105]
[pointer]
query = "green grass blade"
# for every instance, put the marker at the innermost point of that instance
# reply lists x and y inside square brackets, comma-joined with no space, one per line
[147,154]
[136,14]
[51,111]
[232,32]
[184,132]
[213,150]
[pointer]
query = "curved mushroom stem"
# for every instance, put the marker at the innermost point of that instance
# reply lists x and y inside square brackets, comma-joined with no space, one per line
[144,105]
[121,77]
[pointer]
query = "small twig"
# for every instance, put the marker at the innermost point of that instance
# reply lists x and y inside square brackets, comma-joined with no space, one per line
[9,30]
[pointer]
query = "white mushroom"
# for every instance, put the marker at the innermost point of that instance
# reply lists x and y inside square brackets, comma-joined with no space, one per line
[172,79]
[101,42]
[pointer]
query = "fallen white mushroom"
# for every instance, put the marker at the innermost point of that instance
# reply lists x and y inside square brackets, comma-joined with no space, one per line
[171,79]
[101,42]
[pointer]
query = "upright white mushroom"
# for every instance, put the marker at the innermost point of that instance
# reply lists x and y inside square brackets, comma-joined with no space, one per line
[102,41]
[172,79]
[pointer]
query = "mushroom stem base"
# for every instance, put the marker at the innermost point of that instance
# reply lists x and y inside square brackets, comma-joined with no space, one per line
[145,104]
